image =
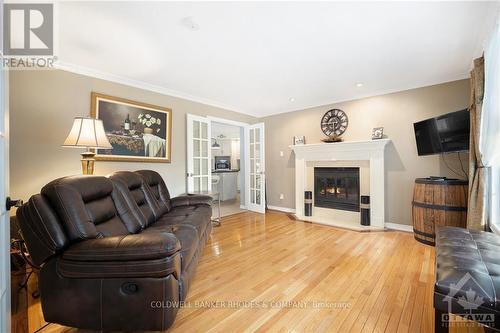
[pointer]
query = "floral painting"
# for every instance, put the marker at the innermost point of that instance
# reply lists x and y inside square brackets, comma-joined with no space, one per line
[137,131]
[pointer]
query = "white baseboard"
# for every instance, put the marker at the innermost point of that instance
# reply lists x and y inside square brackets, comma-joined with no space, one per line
[399,227]
[392,226]
[243,207]
[282,209]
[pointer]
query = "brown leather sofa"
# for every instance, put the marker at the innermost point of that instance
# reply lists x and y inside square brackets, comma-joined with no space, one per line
[116,253]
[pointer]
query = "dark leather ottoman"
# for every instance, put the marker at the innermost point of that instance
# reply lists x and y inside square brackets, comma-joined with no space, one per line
[467,277]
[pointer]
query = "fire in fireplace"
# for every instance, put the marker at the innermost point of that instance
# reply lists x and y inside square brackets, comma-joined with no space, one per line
[337,188]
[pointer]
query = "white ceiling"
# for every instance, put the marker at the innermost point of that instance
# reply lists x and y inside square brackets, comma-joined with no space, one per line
[254,57]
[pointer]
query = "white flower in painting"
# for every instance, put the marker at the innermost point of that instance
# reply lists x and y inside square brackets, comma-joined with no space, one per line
[153,120]
[148,115]
[140,116]
[157,130]
[158,121]
[148,123]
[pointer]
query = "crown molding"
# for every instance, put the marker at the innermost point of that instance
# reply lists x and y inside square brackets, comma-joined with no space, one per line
[69,67]
[376,93]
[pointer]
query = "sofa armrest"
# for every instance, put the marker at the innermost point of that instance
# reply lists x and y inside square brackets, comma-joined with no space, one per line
[191,200]
[124,248]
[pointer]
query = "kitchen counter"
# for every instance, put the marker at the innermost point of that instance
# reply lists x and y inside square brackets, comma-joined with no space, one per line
[227,184]
[223,170]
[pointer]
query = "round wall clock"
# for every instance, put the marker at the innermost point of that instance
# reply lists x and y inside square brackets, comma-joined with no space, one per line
[334,123]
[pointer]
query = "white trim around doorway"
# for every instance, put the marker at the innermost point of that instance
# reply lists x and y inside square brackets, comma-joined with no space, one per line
[244,139]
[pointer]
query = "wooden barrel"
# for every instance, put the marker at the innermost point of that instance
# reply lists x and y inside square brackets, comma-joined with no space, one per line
[438,203]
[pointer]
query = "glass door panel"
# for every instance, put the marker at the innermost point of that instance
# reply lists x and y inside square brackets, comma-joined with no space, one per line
[256,175]
[199,173]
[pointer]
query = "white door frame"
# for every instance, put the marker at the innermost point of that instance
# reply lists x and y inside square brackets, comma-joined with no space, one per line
[228,122]
[245,140]
[189,152]
[246,144]
[5,313]
[254,207]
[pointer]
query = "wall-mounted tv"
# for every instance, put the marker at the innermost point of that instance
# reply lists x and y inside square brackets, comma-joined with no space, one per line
[444,134]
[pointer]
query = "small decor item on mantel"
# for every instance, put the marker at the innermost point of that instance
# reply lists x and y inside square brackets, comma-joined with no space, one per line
[299,140]
[377,133]
[333,124]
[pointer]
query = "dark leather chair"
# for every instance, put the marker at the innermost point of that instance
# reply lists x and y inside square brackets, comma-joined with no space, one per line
[116,253]
[467,277]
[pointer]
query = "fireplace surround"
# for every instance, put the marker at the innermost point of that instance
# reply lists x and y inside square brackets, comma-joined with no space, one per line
[371,152]
[337,188]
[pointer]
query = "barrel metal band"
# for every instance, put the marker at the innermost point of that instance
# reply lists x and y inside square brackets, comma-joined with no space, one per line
[308,201]
[364,206]
[439,207]
[425,234]
[425,241]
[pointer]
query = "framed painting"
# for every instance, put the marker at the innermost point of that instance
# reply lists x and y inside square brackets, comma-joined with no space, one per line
[138,132]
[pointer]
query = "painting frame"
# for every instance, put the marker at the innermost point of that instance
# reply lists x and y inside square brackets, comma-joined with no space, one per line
[166,126]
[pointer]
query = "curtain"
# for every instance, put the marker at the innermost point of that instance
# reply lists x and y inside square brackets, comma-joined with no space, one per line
[476,213]
[485,134]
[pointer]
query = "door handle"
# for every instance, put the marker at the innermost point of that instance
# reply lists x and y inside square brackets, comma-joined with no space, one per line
[189,174]
[12,203]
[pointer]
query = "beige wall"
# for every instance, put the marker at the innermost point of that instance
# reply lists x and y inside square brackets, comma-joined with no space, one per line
[396,113]
[42,107]
[44,103]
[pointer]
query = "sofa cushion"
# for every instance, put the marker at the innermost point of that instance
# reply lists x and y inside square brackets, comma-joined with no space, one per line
[195,216]
[90,207]
[124,248]
[187,236]
[191,200]
[137,195]
[41,229]
[158,188]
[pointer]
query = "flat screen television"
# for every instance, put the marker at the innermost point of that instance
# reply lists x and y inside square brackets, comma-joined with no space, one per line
[444,134]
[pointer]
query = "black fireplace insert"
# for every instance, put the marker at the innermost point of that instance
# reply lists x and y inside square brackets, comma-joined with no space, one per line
[337,188]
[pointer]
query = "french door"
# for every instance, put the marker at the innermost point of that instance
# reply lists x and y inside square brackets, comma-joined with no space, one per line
[256,177]
[199,155]
[4,216]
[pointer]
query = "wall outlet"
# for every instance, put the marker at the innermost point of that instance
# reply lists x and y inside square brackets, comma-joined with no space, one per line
[282,196]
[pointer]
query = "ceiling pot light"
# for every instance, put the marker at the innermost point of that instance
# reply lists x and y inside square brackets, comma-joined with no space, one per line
[359,84]
[189,23]
[291,99]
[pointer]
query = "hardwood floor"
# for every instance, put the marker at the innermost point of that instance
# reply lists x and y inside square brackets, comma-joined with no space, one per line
[368,282]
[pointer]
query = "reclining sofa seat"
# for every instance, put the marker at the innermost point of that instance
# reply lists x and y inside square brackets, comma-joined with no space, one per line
[187,217]
[101,265]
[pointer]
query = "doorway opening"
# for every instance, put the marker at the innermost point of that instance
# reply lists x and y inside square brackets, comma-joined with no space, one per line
[226,157]
[227,166]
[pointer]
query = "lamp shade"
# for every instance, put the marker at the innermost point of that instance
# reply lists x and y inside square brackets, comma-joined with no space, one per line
[87,133]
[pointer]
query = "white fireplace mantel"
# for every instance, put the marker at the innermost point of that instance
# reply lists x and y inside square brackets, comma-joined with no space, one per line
[372,151]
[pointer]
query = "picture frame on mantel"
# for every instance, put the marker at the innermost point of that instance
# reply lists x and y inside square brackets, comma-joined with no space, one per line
[377,133]
[299,140]
[138,132]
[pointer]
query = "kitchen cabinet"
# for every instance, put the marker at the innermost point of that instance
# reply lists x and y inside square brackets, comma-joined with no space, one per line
[227,184]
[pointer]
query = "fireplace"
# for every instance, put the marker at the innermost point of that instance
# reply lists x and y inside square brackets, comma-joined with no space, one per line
[337,188]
